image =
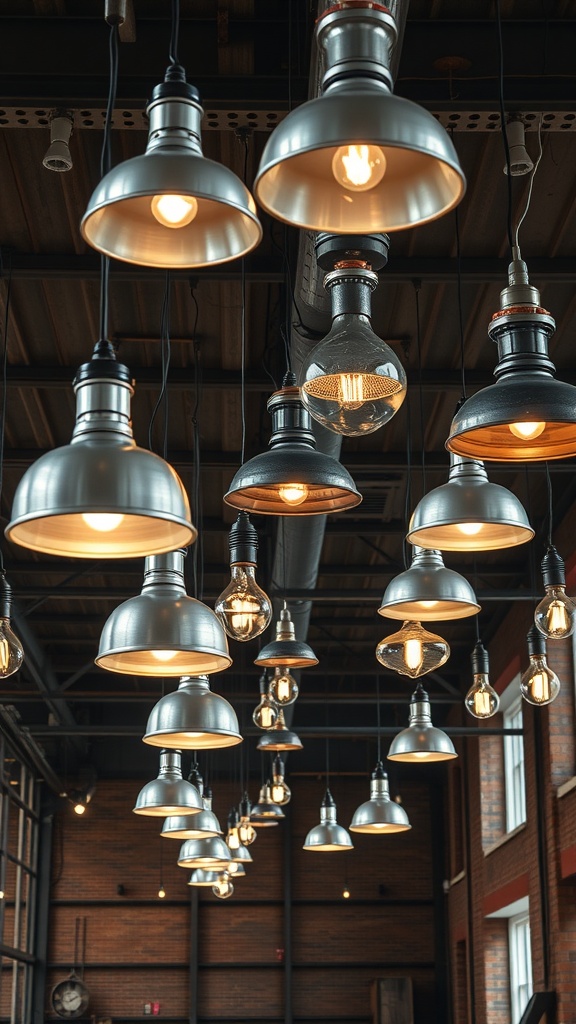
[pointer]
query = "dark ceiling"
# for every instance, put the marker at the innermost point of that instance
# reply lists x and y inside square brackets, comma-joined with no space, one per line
[251,61]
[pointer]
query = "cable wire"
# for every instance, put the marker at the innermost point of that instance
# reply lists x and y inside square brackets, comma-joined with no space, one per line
[460,313]
[503,122]
[532,176]
[175,29]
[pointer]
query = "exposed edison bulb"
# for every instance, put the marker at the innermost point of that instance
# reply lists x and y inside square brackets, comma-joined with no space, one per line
[247,832]
[79,808]
[233,838]
[539,684]
[174,211]
[223,887]
[351,390]
[243,608]
[161,892]
[280,792]
[103,522]
[283,687]
[11,650]
[469,529]
[412,651]
[293,494]
[554,616]
[358,168]
[345,893]
[414,654]
[482,701]
[526,431]
[266,714]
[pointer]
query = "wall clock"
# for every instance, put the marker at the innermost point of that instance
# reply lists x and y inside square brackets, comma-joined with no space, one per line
[70,997]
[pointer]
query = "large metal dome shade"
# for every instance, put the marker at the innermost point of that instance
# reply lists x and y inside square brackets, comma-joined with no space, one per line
[428,591]
[192,717]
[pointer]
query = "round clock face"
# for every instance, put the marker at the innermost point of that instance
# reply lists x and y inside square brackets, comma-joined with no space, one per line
[70,998]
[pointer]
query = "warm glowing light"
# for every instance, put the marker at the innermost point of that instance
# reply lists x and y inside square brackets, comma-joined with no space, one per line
[428,604]
[413,653]
[482,708]
[346,893]
[526,431]
[4,656]
[359,168]
[540,690]
[174,211]
[103,522]
[233,839]
[244,610]
[163,655]
[161,892]
[277,792]
[422,754]
[557,619]
[469,529]
[351,390]
[1,894]
[79,808]
[293,494]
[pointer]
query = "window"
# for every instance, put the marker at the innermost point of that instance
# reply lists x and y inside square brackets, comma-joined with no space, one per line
[514,761]
[520,964]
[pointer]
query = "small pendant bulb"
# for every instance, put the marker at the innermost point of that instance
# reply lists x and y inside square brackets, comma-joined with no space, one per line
[11,650]
[539,684]
[481,701]
[555,614]
[243,608]
[265,715]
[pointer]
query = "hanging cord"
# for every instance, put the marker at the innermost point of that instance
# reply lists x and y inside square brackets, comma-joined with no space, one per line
[420,388]
[408,494]
[529,196]
[243,363]
[105,165]
[198,550]
[550,509]
[533,573]
[503,123]
[4,382]
[379,748]
[174,33]
[327,763]
[162,400]
[460,313]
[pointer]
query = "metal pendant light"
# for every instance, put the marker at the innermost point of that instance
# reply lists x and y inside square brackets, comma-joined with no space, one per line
[380,815]
[328,836]
[279,737]
[285,649]
[243,608]
[421,741]
[204,853]
[554,615]
[169,793]
[265,813]
[352,382]
[539,685]
[526,415]
[202,877]
[192,717]
[292,478]
[101,496]
[171,207]
[428,591]
[162,631]
[358,158]
[413,651]
[200,825]
[469,513]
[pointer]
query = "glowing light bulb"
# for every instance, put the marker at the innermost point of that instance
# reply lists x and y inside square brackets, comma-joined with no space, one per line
[345,893]
[11,650]
[554,616]
[174,211]
[412,651]
[351,390]
[161,892]
[482,701]
[293,494]
[163,655]
[243,608]
[223,887]
[103,522]
[79,808]
[526,431]
[358,168]
[283,687]
[413,654]
[247,832]
[266,714]
[428,604]
[539,684]
[469,529]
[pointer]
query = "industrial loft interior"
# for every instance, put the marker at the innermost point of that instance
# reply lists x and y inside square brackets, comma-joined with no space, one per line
[287,453]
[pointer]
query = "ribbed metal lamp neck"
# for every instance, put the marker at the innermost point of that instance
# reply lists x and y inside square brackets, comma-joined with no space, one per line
[165,571]
[243,541]
[465,469]
[536,642]
[175,115]
[357,42]
[522,327]
[103,389]
[170,764]
[479,659]
[5,596]
[420,713]
[285,627]
[379,786]
[553,569]
[351,291]
[291,421]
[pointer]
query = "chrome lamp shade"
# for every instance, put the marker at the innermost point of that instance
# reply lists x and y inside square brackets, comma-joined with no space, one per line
[526,415]
[279,737]
[169,793]
[101,496]
[328,836]
[428,591]
[171,207]
[292,478]
[358,158]
[202,825]
[192,717]
[380,815]
[421,741]
[163,632]
[265,813]
[204,853]
[202,877]
[469,513]
[286,650]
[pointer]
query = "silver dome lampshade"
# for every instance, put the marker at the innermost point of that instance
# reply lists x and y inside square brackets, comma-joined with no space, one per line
[526,415]
[169,793]
[469,513]
[202,877]
[328,836]
[172,207]
[285,649]
[358,158]
[265,813]
[292,478]
[380,815]
[192,717]
[421,741]
[211,852]
[101,496]
[279,737]
[162,631]
[241,855]
[200,825]
[428,591]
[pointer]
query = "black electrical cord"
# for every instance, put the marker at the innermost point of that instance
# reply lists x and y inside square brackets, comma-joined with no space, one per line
[417,285]
[174,33]
[4,382]
[198,549]
[460,314]
[105,165]
[162,399]
[503,124]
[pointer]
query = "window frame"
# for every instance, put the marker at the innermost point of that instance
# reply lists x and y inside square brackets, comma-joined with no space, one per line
[520,960]
[514,759]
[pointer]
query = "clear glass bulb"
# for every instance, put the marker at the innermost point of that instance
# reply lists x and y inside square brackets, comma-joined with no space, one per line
[161,892]
[174,211]
[247,832]
[358,168]
[265,715]
[345,893]
[526,431]
[280,792]
[283,687]
[233,838]
[11,650]
[539,684]
[554,616]
[103,522]
[243,608]
[352,382]
[482,701]
[223,887]
[293,494]
[412,651]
